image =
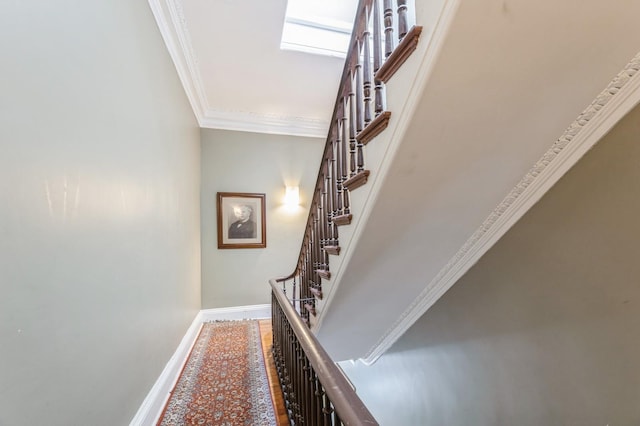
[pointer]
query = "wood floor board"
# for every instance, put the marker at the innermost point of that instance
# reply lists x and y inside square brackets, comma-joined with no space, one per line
[276,393]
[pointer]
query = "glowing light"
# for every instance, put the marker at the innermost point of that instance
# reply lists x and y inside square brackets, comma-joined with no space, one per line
[292,196]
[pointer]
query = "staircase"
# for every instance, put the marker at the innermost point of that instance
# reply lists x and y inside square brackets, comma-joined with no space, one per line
[495,104]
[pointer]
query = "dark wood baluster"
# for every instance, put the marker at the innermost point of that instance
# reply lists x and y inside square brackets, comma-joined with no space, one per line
[318,200]
[303,385]
[310,395]
[317,403]
[303,277]
[323,228]
[316,259]
[334,194]
[337,146]
[290,371]
[360,159]
[321,237]
[377,37]
[352,125]
[326,409]
[318,246]
[325,205]
[388,28]
[294,285]
[402,19]
[296,377]
[343,154]
[310,273]
[313,274]
[366,69]
[329,204]
[377,57]
[359,109]
[288,359]
[324,240]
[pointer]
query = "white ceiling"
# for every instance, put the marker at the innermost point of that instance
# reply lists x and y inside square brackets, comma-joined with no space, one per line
[228,56]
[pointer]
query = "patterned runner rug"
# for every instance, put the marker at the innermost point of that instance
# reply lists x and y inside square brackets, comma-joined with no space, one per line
[224,381]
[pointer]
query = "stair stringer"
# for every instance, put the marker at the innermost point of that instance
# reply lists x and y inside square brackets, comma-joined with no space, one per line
[403,92]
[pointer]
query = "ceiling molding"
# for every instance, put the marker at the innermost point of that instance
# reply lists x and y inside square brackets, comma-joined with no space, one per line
[613,103]
[172,24]
[265,123]
[171,21]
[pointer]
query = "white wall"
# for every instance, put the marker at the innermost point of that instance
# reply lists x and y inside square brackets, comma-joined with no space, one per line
[262,163]
[543,330]
[99,214]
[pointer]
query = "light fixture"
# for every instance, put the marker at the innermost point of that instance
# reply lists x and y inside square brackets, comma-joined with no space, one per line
[292,196]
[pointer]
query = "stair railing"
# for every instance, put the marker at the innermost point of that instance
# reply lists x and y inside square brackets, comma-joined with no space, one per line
[315,390]
[380,43]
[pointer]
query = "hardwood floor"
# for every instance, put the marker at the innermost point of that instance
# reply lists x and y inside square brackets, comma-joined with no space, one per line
[274,384]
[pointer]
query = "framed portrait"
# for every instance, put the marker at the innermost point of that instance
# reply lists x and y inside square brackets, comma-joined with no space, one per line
[241,220]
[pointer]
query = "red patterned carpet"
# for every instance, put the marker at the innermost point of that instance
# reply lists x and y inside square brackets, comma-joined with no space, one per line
[224,381]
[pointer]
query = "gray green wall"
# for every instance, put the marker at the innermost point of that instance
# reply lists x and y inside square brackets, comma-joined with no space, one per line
[262,163]
[545,328]
[99,211]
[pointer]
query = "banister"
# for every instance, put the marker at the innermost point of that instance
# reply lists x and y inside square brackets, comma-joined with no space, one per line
[348,406]
[315,390]
[380,42]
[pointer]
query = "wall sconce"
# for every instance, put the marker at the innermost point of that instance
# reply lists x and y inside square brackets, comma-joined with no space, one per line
[292,196]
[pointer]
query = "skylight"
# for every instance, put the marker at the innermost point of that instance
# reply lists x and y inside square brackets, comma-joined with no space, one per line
[320,27]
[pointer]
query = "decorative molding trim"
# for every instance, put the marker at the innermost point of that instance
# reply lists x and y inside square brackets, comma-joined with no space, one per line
[264,123]
[237,313]
[374,128]
[344,219]
[399,55]
[613,103]
[324,274]
[169,15]
[334,250]
[152,406]
[316,292]
[310,308]
[357,180]
[172,24]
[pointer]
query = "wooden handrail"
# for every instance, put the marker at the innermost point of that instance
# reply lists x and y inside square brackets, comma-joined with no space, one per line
[348,406]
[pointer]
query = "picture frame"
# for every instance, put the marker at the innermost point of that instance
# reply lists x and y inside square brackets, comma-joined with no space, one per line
[241,220]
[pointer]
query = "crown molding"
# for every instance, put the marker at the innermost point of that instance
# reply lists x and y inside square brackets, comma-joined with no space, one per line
[169,15]
[265,123]
[171,22]
[613,103]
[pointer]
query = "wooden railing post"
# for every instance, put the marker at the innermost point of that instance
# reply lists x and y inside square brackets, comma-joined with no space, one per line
[377,58]
[402,19]
[388,28]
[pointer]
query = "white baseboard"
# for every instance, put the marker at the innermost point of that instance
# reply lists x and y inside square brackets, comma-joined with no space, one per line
[152,406]
[237,313]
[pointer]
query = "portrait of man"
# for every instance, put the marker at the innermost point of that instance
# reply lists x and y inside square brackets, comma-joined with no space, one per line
[244,226]
[241,220]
